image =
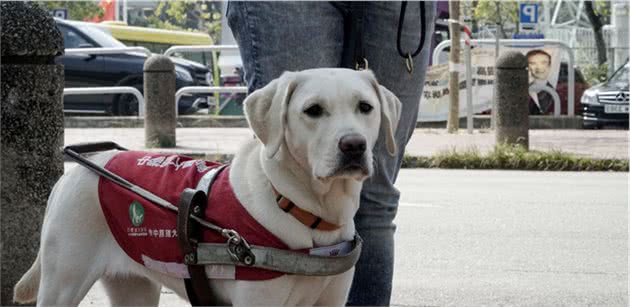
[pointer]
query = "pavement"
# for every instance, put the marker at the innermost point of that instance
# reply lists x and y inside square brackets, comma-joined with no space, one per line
[503,238]
[424,142]
[494,242]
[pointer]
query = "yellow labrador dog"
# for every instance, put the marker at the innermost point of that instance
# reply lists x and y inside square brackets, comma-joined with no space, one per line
[315,131]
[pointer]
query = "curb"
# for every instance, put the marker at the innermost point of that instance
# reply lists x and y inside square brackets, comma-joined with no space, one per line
[232,121]
[433,162]
[185,121]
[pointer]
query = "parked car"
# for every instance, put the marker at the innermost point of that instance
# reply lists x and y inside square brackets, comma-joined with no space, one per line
[563,88]
[608,103]
[124,69]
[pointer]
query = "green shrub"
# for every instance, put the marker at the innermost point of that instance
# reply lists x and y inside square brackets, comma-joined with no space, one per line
[594,73]
[515,158]
[502,157]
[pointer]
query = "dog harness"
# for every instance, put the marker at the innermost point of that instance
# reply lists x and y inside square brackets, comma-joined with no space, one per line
[137,192]
[148,233]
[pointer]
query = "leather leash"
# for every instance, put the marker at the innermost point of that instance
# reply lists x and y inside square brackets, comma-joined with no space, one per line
[354,13]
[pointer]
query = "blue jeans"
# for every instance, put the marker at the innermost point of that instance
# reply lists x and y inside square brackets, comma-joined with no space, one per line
[274,37]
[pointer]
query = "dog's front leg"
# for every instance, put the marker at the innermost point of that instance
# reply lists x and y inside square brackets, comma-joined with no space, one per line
[336,293]
[131,291]
[274,292]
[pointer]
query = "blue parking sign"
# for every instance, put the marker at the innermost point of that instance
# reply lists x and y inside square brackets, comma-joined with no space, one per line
[528,13]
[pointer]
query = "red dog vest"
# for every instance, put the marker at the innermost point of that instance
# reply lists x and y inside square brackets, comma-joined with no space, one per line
[147,232]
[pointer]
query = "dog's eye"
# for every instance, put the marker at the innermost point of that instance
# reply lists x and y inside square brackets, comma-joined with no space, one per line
[314,111]
[365,107]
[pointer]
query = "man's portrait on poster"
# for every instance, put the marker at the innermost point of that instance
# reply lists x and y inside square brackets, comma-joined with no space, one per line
[539,64]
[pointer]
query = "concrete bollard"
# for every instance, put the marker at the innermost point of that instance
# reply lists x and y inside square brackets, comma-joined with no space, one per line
[512,113]
[31,131]
[160,118]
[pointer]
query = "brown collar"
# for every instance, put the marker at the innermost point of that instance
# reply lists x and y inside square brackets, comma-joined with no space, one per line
[305,217]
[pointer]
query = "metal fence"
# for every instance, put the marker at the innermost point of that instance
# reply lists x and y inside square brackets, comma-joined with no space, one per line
[585,47]
[108,90]
[130,90]
[117,50]
[525,42]
[202,89]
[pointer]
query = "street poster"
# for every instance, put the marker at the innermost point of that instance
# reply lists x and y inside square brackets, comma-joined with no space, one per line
[543,70]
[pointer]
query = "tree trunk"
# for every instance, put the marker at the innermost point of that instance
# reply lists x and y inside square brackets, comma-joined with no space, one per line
[496,56]
[453,82]
[500,29]
[596,23]
[474,22]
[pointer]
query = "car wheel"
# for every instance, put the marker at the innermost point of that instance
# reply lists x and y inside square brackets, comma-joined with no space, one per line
[591,125]
[127,104]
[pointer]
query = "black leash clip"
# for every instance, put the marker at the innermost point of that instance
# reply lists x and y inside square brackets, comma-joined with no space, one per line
[361,64]
[409,63]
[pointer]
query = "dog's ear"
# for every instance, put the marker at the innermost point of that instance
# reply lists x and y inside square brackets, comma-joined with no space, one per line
[390,114]
[266,112]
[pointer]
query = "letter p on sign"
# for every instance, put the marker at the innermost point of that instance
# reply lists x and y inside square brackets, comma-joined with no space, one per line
[528,13]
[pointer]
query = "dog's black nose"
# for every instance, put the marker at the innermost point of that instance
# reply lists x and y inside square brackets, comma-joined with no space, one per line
[352,145]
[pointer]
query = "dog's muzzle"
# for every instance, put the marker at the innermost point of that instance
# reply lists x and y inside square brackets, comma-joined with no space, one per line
[352,148]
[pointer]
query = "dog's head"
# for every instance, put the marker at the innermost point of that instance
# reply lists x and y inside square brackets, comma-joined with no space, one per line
[329,120]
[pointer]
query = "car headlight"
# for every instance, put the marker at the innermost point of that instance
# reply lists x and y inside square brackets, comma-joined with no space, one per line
[183,74]
[209,78]
[589,98]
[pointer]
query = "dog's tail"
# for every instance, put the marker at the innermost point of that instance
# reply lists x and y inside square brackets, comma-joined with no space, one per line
[25,290]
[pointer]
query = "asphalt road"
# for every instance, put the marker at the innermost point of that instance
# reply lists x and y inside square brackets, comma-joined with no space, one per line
[471,238]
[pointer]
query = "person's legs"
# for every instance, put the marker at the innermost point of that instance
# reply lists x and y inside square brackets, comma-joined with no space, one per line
[278,36]
[379,199]
[274,37]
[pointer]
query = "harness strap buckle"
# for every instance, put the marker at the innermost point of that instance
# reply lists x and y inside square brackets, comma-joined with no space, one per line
[238,248]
